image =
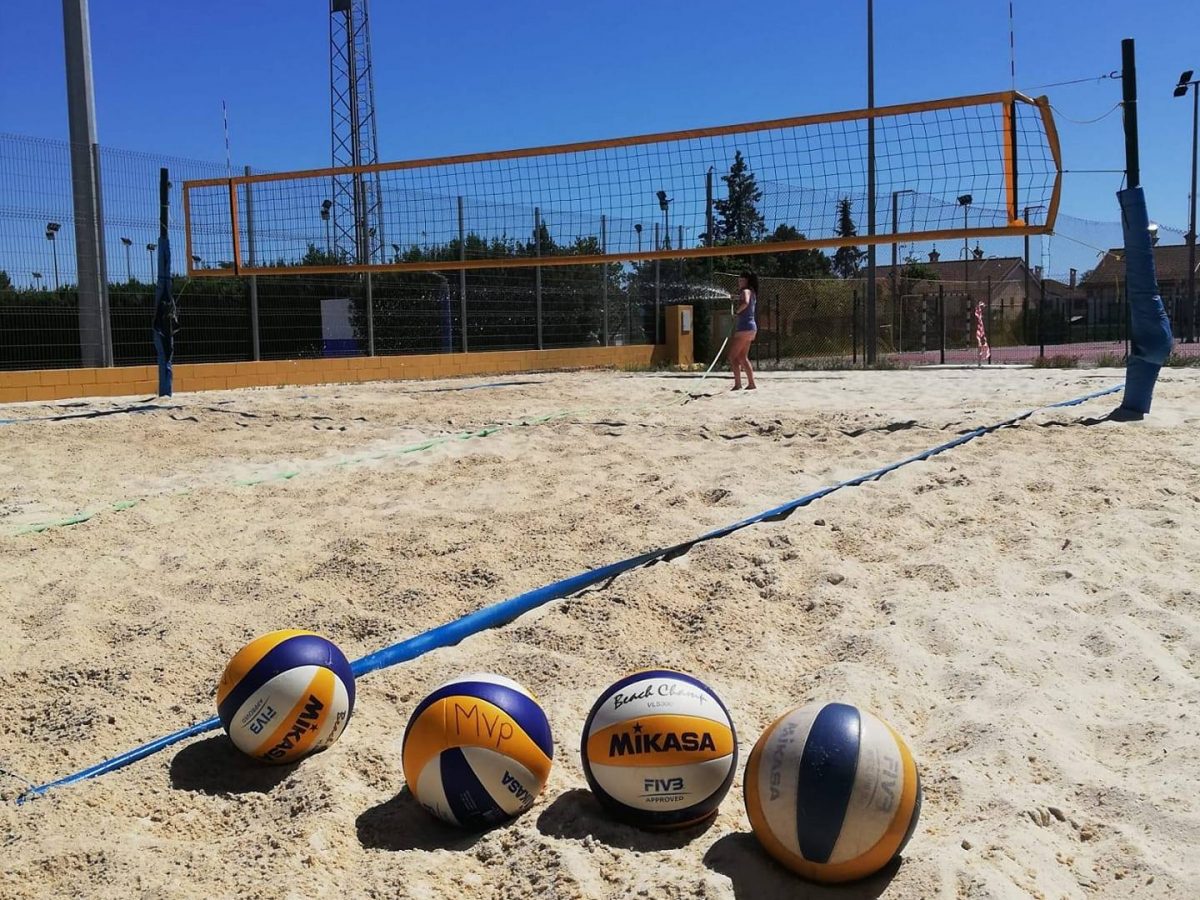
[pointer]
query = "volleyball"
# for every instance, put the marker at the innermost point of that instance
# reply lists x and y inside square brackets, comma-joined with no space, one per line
[659,750]
[832,792]
[285,695]
[477,751]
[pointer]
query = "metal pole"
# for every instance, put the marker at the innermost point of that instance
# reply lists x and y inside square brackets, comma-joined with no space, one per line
[895,253]
[778,329]
[462,273]
[537,240]
[54,255]
[370,318]
[101,256]
[708,217]
[604,281]
[1041,310]
[871,329]
[128,264]
[989,317]
[81,116]
[1191,283]
[1025,312]
[255,343]
[1133,169]
[657,284]
[942,319]
[854,330]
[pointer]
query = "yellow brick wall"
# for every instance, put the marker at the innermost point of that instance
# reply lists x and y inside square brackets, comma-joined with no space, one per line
[62,384]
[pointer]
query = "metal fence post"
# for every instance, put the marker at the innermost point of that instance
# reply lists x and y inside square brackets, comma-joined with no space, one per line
[989,318]
[537,275]
[106,346]
[1040,323]
[255,350]
[604,281]
[370,318]
[778,329]
[942,321]
[462,273]
[854,329]
[657,285]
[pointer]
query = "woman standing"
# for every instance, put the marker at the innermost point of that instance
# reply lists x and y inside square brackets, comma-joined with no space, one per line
[745,330]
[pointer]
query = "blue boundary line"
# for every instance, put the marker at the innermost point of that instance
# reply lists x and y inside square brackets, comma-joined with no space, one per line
[505,611]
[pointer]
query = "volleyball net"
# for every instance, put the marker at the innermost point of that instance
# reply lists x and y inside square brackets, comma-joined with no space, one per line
[981,166]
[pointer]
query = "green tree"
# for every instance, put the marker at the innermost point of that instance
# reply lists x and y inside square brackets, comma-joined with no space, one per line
[739,221]
[5,282]
[847,261]
[792,263]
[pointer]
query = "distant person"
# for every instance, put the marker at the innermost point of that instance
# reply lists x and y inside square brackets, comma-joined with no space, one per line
[745,330]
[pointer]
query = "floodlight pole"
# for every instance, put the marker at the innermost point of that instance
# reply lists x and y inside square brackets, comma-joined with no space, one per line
[896,252]
[872,328]
[85,181]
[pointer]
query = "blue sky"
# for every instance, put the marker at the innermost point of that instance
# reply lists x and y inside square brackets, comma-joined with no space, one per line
[457,77]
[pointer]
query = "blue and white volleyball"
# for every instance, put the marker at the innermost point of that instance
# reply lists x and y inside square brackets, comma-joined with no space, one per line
[659,750]
[832,792]
[285,695]
[477,751]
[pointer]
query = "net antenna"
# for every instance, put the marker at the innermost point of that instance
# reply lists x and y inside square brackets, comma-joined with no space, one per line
[1001,148]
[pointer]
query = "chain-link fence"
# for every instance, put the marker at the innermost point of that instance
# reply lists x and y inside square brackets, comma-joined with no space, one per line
[803,322]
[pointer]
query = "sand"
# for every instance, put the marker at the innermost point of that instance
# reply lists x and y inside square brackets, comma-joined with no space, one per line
[1023,609]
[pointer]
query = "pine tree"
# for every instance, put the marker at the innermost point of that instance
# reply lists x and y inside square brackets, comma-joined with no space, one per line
[847,260]
[739,221]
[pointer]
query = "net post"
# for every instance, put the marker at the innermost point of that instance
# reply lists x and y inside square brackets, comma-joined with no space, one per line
[604,279]
[1133,169]
[255,346]
[462,273]
[537,273]
[657,284]
[1010,161]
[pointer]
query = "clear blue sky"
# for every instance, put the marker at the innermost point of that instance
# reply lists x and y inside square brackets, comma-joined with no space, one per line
[456,77]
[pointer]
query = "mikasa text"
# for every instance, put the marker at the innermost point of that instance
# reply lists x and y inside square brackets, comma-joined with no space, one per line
[305,721]
[518,790]
[785,738]
[659,742]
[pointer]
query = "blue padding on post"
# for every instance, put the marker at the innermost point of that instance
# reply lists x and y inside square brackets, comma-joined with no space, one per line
[505,611]
[1149,327]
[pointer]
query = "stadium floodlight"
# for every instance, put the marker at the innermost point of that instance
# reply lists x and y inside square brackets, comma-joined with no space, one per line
[128,242]
[51,231]
[664,203]
[1182,87]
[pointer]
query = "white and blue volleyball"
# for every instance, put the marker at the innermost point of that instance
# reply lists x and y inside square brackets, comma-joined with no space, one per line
[832,792]
[285,695]
[659,750]
[477,751]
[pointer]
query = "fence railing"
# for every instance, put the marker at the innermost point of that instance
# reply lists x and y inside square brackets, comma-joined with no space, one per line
[803,321]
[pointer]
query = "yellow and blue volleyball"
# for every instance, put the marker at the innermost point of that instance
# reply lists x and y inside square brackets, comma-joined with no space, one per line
[832,792]
[285,695]
[477,751]
[659,750]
